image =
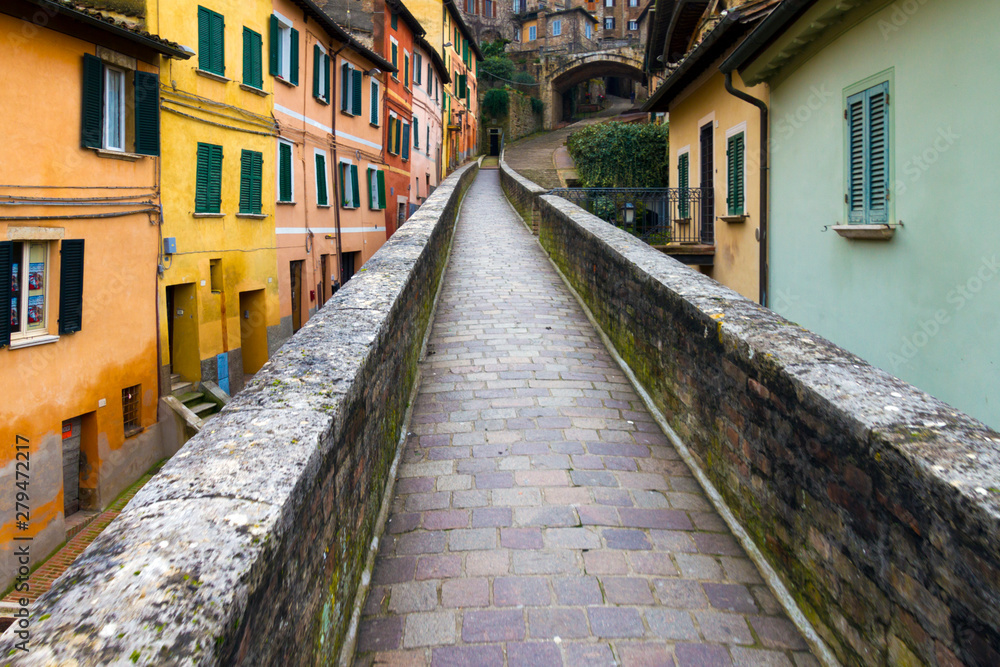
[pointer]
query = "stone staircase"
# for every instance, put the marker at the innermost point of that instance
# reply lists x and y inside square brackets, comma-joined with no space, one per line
[194,400]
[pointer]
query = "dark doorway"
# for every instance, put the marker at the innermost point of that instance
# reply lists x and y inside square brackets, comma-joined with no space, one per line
[348,265]
[707,182]
[296,286]
[494,141]
[324,262]
[71,465]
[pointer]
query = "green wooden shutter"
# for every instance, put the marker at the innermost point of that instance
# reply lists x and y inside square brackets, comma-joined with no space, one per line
[380,177]
[406,141]
[372,191]
[406,70]
[219,44]
[274,39]
[253,75]
[256,182]
[204,39]
[317,65]
[684,209]
[201,196]
[246,178]
[293,68]
[856,158]
[342,175]
[394,21]
[463,89]
[355,187]
[215,182]
[878,151]
[416,132]
[356,109]
[147,113]
[327,78]
[92,118]
[395,55]
[70,287]
[322,198]
[284,172]
[735,174]
[373,112]
[399,136]
[345,87]
[6,259]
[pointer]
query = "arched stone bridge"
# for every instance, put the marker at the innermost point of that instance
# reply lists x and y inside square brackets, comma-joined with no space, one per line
[561,72]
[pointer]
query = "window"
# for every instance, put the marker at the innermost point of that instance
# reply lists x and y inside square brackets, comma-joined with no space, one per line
[106,94]
[418,66]
[253,67]
[427,143]
[394,47]
[470,6]
[532,33]
[215,277]
[557,27]
[588,31]
[683,178]
[393,146]
[322,195]
[131,415]
[376,189]
[735,162]
[394,21]
[633,3]
[211,41]
[321,74]
[416,132]
[284,54]
[488,9]
[350,90]
[208,183]
[868,151]
[349,197]
[633,25]
[286,188]
[251,172]
[26,276]
[406,141]
[609,23]
[406,69]
[609,3]
[375,117]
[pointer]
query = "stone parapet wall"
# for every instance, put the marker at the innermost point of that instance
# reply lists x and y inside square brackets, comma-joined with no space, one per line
[877,504]
[249,546]
[522,193]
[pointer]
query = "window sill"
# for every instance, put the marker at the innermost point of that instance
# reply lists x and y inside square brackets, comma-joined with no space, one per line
[285,203]
[255,91]
[209,215]
[132,432]
[31,342]
[118,155]
[734,218]
[374,124]
[285,81]
[211,75]
[324,206]
[252,216]
[683,221]
[866,232]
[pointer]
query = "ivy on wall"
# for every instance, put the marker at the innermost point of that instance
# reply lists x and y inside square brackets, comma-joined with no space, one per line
[621,155]
[496,103]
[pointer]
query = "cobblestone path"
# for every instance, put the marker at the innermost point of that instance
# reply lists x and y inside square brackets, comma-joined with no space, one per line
[541,517]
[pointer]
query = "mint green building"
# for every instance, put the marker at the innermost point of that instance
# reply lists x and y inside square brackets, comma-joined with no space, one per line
[884,232]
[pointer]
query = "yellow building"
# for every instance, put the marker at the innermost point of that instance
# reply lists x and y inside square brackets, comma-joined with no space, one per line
[218,287]
[79,220]
[715,140]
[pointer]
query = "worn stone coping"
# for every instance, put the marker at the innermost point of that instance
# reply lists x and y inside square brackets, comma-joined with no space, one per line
[530,186]
[173,574]
[957,453]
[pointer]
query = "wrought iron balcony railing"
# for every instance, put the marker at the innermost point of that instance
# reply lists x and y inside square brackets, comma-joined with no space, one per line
[658,216]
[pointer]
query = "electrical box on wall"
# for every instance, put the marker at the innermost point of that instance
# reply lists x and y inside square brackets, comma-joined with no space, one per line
[169,245]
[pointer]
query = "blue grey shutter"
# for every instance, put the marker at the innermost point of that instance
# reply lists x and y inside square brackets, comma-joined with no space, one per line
[856,158]
[6,259]
[416,132]
[878,161]
[70,287]
[406,141]
[92,119]
[345,87]
[373,111]
[147,113]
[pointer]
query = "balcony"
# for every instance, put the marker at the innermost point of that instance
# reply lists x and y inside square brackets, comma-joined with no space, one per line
[679,222]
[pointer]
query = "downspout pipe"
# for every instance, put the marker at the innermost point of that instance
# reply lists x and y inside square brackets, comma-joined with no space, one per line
[337,185]
[764,178]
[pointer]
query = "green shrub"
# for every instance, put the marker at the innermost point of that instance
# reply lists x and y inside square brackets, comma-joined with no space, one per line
[620,155]
[537,106]
[496,103]
[495,48]
[499,67]
[524,77]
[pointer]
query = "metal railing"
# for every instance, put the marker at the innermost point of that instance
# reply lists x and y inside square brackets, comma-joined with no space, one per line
[658,216]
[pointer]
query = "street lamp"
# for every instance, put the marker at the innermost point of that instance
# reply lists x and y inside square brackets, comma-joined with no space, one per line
[628,212]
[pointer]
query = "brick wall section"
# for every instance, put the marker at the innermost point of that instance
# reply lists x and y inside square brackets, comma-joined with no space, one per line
[877,504]
[522,193]
[249,545]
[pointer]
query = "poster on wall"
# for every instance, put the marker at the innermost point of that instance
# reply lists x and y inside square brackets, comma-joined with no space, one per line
[13,311]
[15,284]
[36,271]
[36,309]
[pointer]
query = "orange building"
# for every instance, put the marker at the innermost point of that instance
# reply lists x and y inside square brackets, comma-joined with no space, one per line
[322,238]
[462,114]
[79,241]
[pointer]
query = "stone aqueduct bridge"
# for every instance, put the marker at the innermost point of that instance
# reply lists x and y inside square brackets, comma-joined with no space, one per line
[875,505]
[561,71]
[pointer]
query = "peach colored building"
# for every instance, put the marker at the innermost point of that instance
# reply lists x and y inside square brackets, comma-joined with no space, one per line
[329,98]
[428,103]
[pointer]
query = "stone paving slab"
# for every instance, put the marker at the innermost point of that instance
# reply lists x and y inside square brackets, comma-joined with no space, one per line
[541,517]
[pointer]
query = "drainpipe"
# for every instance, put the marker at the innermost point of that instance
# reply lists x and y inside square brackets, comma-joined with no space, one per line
[336,169]
[764,174]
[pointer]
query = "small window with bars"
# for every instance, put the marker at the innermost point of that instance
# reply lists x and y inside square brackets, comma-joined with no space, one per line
[131,413]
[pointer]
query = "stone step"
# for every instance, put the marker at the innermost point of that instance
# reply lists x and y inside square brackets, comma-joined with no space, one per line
[175,377]
[191,396]
[178,388]
[203,409]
